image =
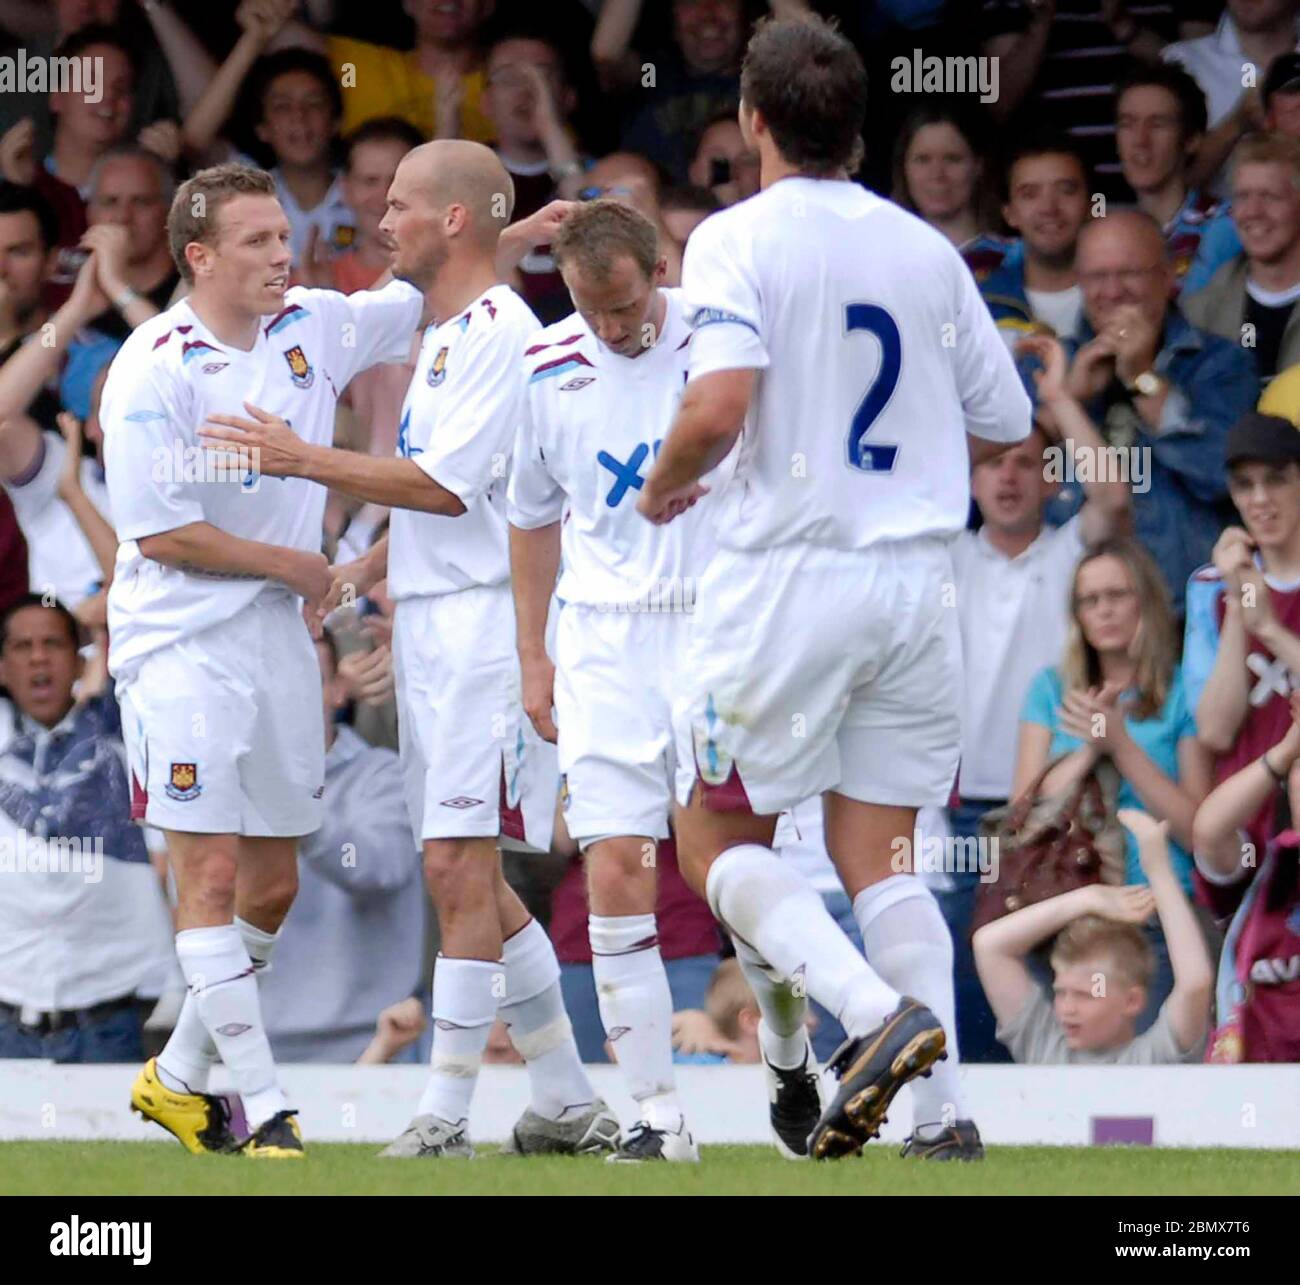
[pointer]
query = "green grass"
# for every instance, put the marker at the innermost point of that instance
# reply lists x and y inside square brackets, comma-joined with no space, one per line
[145,1168]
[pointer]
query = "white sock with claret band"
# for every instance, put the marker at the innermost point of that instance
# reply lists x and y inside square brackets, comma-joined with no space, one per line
[636,1007]
[186,1062]
[220,975]
[766,904]
[466,993]
[908,943]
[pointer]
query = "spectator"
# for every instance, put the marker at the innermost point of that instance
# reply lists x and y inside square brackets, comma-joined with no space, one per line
[172,65]
[1118,693]
[1159,124]
[32,452]
[297,105]
[688,941]
[529,100]
[1103,970]
[722,161]
[1229,65]
[1281,95]
[359,890]
[683,209]
[1242,651]
[130,193]
[1059,63]
[1253,298]
[13,558]
[1036,286]
[1154,382]
[940,175]
[689,83]
[437,85]
[373,154]
[84,130]
[1012,581]
[1256,991]
[85,937]
[638,183]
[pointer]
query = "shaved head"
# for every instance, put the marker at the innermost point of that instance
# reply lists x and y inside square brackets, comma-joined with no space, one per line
[454,171]
[1132,227]
[1123,262]
[448,203]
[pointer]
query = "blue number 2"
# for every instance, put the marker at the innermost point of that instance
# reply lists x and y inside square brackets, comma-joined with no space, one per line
[881,457]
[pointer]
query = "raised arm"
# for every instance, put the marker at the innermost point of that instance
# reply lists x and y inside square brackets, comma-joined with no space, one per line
[99,534]
[616,63]
[191,67]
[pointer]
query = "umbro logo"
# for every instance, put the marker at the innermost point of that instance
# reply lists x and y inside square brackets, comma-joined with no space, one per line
[214,367]
[461,801]
[581,381]
[233,1028]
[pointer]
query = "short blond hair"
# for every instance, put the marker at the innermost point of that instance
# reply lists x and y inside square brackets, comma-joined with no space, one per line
[1125,945]
[198,201]
[599,232]
[1268,149]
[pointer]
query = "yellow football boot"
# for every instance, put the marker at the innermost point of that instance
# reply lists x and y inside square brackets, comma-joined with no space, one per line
[199,1121]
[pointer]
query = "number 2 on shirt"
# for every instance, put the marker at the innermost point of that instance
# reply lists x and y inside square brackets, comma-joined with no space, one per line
[871,317]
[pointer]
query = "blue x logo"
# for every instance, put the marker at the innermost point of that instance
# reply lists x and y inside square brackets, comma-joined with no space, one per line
[627,477]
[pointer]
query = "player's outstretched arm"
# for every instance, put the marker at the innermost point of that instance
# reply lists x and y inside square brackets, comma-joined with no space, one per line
[280,452]
[203,549]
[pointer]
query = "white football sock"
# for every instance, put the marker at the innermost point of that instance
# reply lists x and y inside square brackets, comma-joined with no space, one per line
[187,1060]
[220,975]
[466,993]
[908,943]
[533,1011]
[636,1008]
[764,902]
[782,1032]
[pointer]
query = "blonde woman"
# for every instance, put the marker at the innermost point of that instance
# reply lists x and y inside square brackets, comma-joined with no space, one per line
[1118,693]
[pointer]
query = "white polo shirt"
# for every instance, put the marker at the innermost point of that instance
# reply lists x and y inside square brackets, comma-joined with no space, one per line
[1014,614]
[1216,62]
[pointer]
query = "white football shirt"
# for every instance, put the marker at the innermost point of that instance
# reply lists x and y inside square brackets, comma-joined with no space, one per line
[169,377]
[877,355]
[592,427]
[458,424]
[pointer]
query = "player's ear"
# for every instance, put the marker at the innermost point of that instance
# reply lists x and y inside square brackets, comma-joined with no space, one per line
[660,272]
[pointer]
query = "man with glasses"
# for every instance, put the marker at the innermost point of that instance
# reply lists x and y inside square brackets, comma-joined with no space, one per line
[1163,393]
[1254,299]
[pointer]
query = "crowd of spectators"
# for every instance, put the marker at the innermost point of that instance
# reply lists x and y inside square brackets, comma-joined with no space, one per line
[1128,200]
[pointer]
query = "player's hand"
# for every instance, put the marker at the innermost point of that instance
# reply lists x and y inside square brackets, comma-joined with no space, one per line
[276,449]
[1092,369]
[537,677]
[540,228]
[18,153]
[1129,904]
[662,508]
[308,575]
[349,582]
[368,675]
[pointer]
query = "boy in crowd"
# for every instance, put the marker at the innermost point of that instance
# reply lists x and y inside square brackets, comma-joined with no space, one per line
[1103,967]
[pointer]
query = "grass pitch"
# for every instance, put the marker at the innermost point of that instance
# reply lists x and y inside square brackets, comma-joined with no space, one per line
[162,1168]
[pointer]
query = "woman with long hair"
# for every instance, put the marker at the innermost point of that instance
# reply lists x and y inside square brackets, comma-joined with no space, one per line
[940,174]
[1118,694]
